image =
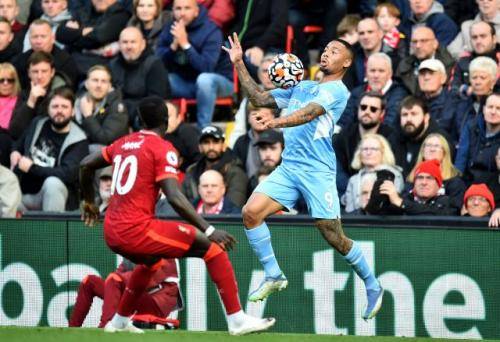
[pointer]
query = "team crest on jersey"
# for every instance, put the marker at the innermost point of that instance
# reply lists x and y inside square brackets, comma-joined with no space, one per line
[183,229]
[132,145]
[172,158]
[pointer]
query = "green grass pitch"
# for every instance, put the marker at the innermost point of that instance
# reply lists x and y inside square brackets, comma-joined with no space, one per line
[18,334]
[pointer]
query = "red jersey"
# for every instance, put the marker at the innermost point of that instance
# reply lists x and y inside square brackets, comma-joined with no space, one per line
[140,160]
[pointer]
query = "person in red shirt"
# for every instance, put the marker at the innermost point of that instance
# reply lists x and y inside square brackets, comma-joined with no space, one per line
[144,163]
[162,295]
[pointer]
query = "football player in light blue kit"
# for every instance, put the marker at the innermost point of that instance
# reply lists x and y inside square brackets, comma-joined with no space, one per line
[307,168]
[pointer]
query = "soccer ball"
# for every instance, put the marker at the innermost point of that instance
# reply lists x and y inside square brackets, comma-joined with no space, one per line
[286,70]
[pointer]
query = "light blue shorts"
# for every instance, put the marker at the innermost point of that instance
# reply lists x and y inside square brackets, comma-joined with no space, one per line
[318,189]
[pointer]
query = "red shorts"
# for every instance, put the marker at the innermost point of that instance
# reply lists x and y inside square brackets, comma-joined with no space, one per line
[155,238]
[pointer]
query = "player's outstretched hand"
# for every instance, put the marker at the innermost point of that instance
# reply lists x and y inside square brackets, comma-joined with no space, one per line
[264,122]
[223,239]
[235,51]
[90,213]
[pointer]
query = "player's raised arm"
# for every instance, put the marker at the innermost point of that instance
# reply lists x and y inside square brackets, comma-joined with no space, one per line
[257,96]
[92,162]
[182,206]
[301,116]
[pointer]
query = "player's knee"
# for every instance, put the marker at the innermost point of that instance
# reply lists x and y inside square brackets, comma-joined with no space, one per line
[251,216]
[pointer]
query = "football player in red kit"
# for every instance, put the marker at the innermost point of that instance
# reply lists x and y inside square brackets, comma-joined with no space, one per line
[143,163]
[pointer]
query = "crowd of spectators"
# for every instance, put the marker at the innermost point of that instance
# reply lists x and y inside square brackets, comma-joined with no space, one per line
[420,133]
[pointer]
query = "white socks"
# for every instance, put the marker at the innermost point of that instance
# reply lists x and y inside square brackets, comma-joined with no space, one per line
[120,322]
[236,319]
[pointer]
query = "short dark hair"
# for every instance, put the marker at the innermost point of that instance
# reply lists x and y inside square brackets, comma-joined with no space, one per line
[347,45]
[64,92]
[3,20]
[375,94]
[39,57]
[493,30]
[411,101]
[153,112]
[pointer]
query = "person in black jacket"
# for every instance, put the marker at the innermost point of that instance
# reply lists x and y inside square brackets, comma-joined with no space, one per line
[9,48]
[42,38]
[100,110]
[424,198]
[47,157]
[34,99]
[415,125]
[138,72]
[89,36]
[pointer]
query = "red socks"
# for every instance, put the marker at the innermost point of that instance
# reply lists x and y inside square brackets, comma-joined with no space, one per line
[139,280]
[221,271]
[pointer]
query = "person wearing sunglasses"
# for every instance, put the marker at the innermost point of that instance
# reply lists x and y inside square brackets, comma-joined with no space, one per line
[370,113]
[9,93]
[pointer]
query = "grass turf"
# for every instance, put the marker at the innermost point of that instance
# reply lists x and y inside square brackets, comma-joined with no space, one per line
[15,334]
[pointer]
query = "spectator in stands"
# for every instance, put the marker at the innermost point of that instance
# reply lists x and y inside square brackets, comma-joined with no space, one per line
[9,49]
[150,19]
[34,99]
[494,181]
[10,193]
[10,91]
[371,40]
[423,45]
[183,136]
[245,147]
[484,43]
[48,155]
[9,9]
[435,146]
[42,38]
[216,156]
[372,154]
[482,77]
[191,49]
[270,145]
[100,110]
[416,124]
[212,199]
[55,12]
[105,180]
[479,144]
[221,12]
[425,197]
[378,79]
[325,14]
[442,104]
[489,12]
[430,13]
[347,29]
[388,17]
[137,72]
[161,298]
[371,111]
[261,27]
[478,201]
[367,182]
[92,31]
[241,119]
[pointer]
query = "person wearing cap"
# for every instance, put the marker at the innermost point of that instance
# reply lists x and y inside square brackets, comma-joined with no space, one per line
[245,148]
[425,198]
[217,156]
[270,145]
[432,80]
[105,179]
[423,45]
[478,201]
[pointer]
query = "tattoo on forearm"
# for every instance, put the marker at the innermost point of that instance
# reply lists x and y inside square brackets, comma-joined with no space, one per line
[300,116]
[257,96]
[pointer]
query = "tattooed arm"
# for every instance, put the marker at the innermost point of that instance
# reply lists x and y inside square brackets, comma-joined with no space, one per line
[257,96]
[297,118]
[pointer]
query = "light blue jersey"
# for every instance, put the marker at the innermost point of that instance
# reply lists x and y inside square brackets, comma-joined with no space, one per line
[308,162]
[309,146]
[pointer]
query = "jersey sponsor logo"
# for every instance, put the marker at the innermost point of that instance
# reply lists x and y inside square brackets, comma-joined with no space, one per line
[183,229]
[132,145]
